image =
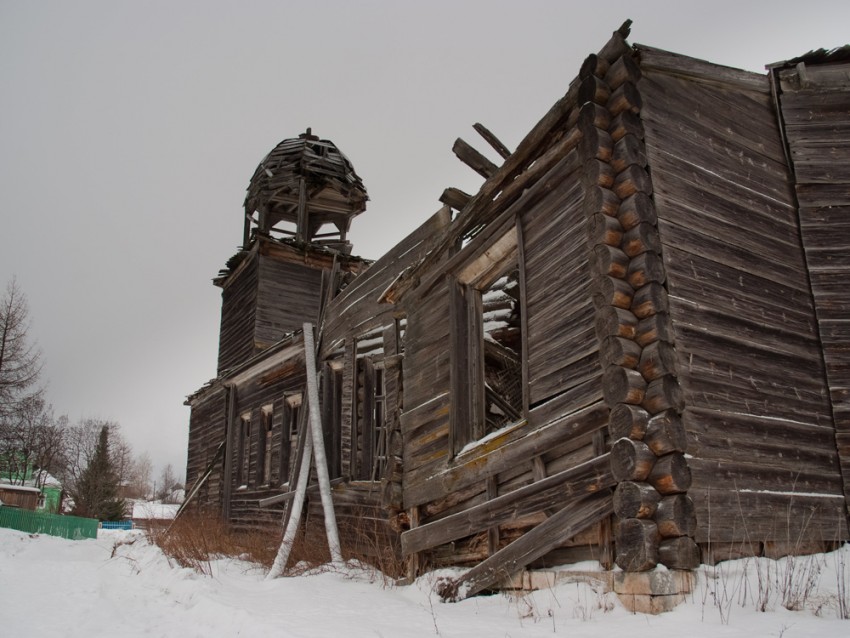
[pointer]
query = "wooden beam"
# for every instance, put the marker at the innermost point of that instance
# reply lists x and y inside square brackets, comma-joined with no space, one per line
[586,478]
[455,198]
[472,158]
[565,524]
[492,140]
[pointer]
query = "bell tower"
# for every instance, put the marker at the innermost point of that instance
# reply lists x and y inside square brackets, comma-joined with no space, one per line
[298,211]
[305,189]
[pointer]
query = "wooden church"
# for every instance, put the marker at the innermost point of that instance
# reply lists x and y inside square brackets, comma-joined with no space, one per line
[631,345]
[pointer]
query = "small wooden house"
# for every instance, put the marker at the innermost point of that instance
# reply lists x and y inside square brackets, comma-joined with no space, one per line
[632,344]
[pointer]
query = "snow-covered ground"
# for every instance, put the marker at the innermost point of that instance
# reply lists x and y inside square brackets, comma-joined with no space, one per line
[121,585]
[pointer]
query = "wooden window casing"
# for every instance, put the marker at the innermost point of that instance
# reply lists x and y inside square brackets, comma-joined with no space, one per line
[289,431]
[473,400]
[264,452]
[244,458]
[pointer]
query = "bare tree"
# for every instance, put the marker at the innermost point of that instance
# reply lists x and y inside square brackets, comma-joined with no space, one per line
[139,481]
[20,360]
[31,442]
[168,484]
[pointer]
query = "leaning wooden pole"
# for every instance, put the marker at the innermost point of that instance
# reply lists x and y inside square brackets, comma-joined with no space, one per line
[319,446]
[294,515]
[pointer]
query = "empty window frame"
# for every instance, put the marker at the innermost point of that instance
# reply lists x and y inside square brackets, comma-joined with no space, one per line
[244,450]
[289,432]
[487,343]
[370,408]
[264,452]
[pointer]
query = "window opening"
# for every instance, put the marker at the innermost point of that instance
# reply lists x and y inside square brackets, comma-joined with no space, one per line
[289,432]
[487,342]
[244,449]
[264,455]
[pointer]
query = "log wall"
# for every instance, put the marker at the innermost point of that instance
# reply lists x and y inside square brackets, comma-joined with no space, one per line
[746,348]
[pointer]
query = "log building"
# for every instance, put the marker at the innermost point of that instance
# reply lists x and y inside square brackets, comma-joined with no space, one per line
[632,344]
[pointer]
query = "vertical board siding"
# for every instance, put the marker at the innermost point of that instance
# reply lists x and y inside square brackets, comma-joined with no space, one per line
[748,356]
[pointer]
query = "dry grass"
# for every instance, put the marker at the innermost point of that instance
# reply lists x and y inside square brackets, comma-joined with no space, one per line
[196,540]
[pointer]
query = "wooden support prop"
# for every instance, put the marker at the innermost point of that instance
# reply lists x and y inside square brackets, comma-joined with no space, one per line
[472,158]
[492,140]
[633,179]
[624,69]
[611,261]
[628,151]
[654,328]
[563,525]
[614,292]
[618,351]
[671,474]
[676,516]
[679,553]
[455,198]
[552,491]
[636,209]
[598,173]
[646,268]
[296,506]
[626,123]
[665,433]
[627,421]
[319,445]
[596,142]
[635,500]
[662,394]
[649,300]
[593,89]
[657,359]
[616,322]
[637,545]
[622,385]
[604,229]
[625,97]
[601,200]
[593,115]
[631,460]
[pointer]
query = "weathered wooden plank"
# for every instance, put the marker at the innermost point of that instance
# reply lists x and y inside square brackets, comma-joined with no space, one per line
[551,491]
[766,514]
[736,437]
[674,63]
[499,453]
[532,545]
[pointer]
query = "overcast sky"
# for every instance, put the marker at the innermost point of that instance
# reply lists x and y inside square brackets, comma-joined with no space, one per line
[129,131]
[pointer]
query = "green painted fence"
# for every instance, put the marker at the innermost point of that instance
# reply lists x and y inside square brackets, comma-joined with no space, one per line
[73,527]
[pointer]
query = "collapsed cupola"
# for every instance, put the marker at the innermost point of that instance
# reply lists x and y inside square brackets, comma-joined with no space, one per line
[305,189]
